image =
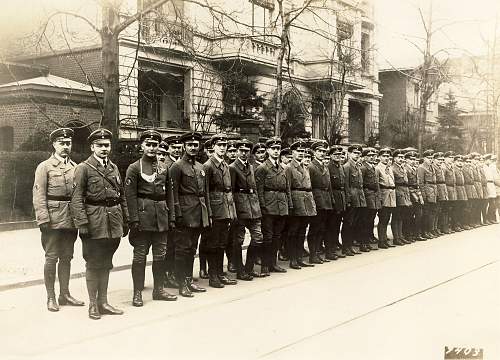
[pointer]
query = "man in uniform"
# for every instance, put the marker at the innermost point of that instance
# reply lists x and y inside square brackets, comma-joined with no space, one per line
[161,155]
[355,198]
[274,200]
[100,211]
[427,177]
[232,243]
[299,186]
[148,192]
[174,147]
[208,151]
[51,196]
[248,211]
[459,207]
[323,198]
[337,180]
[441,195]
[223,211]
[450,180]
[403,202]
[285,158]
[372,196]
[387,191]
[259,153]
[470,190]
[478,202]
[413,224]
[192,211]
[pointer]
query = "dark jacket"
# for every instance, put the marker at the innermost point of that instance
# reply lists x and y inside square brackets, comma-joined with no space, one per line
[337,181]
[90,187]
[321,185]
[401,183]
[442,192]
[450,180]
[219,189]
[355,196]
[151,204]
[190,192]
[370,185]
[470,188]
[299,184]
[427,180]
[272,188]
[459,183]
[414,185]
[244,188]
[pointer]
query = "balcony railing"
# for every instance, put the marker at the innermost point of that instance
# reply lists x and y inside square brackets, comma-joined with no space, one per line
[167,32]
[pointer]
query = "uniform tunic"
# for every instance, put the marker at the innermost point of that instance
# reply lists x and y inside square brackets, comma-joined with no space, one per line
[321,186]
[219,189]
[450,179]
[401,182]
[244,189]
[299,186]
[414,185]
[442,193]
[477,181]
[354,185]
[337,180]
[459,183]
[470,188]
[427,177]
[370,186]
[91,189]
[273,189]
[386,184]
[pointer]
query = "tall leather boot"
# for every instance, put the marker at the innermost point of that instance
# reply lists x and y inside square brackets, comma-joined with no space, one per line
[138,275]
[92,280]
[180,275]
[63,273]
[219,256]
[159,292]
[189,276]
[266,258]
[213,272]
[203,258]
[49,276]
[102,295]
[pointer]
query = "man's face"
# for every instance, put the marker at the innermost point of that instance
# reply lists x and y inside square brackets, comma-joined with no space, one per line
[149,148]
[448,160]
[243,154]
[220,148]
[161,155]
[371,158]
[101,148]
[398,159]
[343,157]
[285,159]
[459,162]
[427,160]
[175,150]
[209,152]
[319,154]
[336,157]
[260,154]
[354,155]
[62,147]
[232,153]
[298,154]
[274,151]
[384,158]
[191,147]
[306,160]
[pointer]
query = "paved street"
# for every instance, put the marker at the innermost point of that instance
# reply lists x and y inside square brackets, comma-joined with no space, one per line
[404,303]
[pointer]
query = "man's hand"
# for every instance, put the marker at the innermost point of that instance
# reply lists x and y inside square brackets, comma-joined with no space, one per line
[44,227]
[84,231]
[171,225]
[125,230]
[178,221]
[135,226]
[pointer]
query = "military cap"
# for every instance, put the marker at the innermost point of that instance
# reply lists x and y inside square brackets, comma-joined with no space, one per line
[173,139]
[218,137]
[409,154]
[258,146]
[428,153]
[150,135]
[493,157]
[273,141]
[286,151]
[335,149]
[458,157]
[309,153]
[208,144]
[232,144]
[100,134]
[438,155]
[398,152]
[308,143]
[353,147]
[262,140]
[449,154]
[467,157]
[487,157]
[190,136]
[319,144]
[61,133]
[298,144]
[385,151]
[163,146]
[369,151]
[409,149]
[243,144]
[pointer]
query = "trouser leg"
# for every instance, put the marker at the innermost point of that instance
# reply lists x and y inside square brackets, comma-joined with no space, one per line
[49,244]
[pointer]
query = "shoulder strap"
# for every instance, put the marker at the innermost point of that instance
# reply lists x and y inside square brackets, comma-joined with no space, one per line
[104,176]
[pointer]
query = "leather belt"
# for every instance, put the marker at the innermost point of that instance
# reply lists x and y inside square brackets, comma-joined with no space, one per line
[430,182]
[415,187]
[221,190]
[387,187]
[191,194]
[440,183]
[491,181]
[106,202]
[58,198]
[403,184]
[154,197]
[245,191]
[338,188]
[275,190]
[302,189]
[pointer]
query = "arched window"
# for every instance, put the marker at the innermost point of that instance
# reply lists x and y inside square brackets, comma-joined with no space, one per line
[6,138]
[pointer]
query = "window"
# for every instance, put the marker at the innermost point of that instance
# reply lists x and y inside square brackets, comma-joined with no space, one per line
[365,52]
[261,16]
[344,35]
[6,138]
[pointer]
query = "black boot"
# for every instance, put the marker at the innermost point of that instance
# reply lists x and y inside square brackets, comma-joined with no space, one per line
[102,295]
[159,293]
[213,273]
[138,275]
[92,279]
[252,253]
[63,273]
[184,289]
[49,275]
[219,257]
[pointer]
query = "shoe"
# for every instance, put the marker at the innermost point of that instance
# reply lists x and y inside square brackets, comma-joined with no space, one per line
[162,295]
[382,245]
[294,265]
[354,251]
[203,274]
[347,252]
[227,281]
[171,282]
[215,282]
[315,260]
[340,255]
[389,244]
[325,260]
[363,248]
[264,270]
[137,299]
[303,264]
[67,299]
[52,304]
[244,277]
[258,260]
[282,257]
[331,256]
[255,274]
[106,309]
[184,290]
[277,269]
[232,268]
[94,313]
[421,238]
[194,287]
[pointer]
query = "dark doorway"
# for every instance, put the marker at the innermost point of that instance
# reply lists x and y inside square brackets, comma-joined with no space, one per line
[356,122]
[80,144]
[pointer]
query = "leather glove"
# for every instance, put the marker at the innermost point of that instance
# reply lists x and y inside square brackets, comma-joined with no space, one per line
[43,227]
[135,226]
[83,230]
[125,230]
[171,224]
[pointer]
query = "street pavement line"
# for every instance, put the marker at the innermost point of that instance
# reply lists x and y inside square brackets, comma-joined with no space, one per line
[376,309]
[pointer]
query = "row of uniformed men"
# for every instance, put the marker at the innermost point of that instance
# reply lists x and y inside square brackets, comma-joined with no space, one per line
[169,200]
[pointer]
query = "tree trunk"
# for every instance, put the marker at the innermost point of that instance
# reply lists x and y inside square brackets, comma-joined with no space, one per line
[279,82]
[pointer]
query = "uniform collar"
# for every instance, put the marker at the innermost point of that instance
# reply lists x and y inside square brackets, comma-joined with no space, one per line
[61,159]
[100,161]
[189,159]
